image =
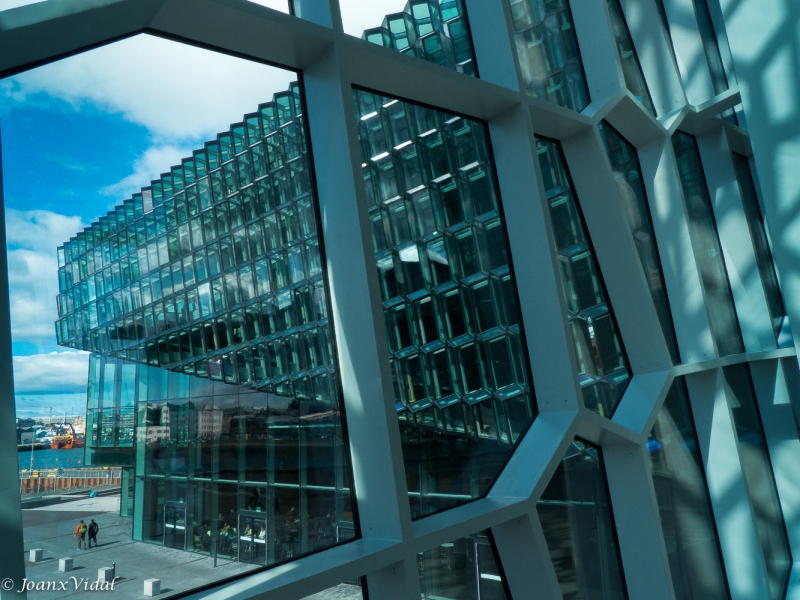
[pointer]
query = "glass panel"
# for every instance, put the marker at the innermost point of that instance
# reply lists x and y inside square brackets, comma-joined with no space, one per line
[548,53]
[628,175]
[761,246]
[464,569]
[707,251]
[710,45]
[199,342]
[343,591]
[463,388]
[578,525]
[434,30]
[603,369]
[631,69]
[687,520]
[758,477]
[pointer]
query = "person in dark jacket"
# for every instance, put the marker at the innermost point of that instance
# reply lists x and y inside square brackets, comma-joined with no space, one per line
[93,529]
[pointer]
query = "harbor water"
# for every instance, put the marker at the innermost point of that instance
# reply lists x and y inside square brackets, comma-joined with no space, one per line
[51,459]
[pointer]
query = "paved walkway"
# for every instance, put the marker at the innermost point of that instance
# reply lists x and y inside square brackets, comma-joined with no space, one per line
[51,528]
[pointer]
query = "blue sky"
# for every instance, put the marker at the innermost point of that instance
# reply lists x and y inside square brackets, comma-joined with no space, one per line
[78,137]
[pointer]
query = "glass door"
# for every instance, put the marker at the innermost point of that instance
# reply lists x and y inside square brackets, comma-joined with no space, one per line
[253,538]
[175,526]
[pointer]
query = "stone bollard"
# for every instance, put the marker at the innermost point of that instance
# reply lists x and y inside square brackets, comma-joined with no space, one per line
[152,587]
[65,564]
[36,555]
[105,574]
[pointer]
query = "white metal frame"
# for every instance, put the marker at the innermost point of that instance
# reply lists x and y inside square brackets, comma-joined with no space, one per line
[331,62]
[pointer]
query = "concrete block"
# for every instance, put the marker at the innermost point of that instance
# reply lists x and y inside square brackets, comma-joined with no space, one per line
[65,564]
[105,574]
[36,555]
[152,587]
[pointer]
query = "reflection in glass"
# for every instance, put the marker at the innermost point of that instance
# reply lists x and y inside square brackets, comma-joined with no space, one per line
[758,233]
[462,385]
[628,175]
[603,369]
[757,469]
[710,46]
[578,525]
[707,250]
[465,569]
[434,30]
[343,591]
[687,520]
[203,302]
[547,49]
[631,68]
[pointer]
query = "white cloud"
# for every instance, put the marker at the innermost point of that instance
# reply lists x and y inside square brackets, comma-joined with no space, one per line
[33,237]
[178,92]
[154,161]
[65,372]
[358,15]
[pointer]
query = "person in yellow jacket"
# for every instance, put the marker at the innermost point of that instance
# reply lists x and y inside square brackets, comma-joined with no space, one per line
[80,533]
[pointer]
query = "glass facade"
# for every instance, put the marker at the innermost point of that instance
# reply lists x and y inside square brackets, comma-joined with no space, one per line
[758,478]
[464,569]
[707,250]
[761,246]
[603,369]
[710,46]
[628,176]
[578,526]
[548,53]
[204,305]
[631,69]
[687,520]
[458,356]
[434,30]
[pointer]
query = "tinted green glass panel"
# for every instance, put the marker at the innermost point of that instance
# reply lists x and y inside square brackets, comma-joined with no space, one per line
[761,246]
[464,393]
[687,520]
[464,569]
[578,526]
[628,175]
[631,69]
[758,476]
[548,54]
[434,30]
[707,250]
[603,369]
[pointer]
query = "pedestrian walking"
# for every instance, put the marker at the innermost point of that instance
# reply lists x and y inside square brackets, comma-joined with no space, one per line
[80,533]
[92,531]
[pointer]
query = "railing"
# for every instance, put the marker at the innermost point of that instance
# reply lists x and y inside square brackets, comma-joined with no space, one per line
[51,480]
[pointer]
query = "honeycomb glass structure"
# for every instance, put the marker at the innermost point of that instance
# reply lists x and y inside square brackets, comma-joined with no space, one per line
[458,356]
[628,176]
[203,302]
[687,520]
[722,316]
[434,30]
[631,68]
[575,512]
[548,53]
[758,233]
[603,369]
[759,478]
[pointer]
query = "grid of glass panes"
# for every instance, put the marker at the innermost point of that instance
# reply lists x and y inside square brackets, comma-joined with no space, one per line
[110,412]
[255,476]
[464,394]
[215,269]
[628,175]
[722,317]
[433,30]
[603,369]
[687,519]
[547,49]
[578,526]
[631,69]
